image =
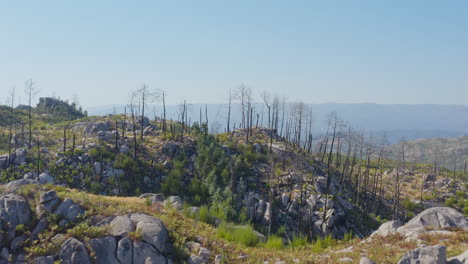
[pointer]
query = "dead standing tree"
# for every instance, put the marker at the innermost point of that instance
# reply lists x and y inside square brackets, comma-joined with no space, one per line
[30,91]
[132,106]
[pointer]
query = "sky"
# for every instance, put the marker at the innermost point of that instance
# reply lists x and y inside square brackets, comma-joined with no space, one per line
[388,52]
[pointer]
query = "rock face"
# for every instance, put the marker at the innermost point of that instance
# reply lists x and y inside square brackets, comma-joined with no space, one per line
[69,210]
[425,255]
[73,251]
[437,217]
[388,228]
[104,249]
[13,186]
[14,211]
[118,248]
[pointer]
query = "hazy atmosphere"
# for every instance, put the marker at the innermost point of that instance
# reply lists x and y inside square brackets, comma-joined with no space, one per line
[405,52]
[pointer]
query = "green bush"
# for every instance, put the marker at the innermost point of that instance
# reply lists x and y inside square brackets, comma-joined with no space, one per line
[322,243]
[85,231]
[348,236]
[241,234]
[450,202]
[274,242]
[204,215]
[298,241]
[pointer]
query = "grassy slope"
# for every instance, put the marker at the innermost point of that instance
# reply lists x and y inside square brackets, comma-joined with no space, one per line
[183,229]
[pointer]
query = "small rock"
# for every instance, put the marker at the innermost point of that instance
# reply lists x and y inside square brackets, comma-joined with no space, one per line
[46,178]
[44,260]
[430,255]
[366,260]
[346,260]
[5,254]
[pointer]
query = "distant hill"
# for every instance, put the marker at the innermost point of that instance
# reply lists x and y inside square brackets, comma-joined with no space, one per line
[396,122]
[446,151]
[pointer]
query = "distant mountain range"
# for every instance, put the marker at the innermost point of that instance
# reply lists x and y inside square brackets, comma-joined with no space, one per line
[447,152]
[395,121]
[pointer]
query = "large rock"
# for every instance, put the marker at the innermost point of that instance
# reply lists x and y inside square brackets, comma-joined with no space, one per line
[460,259]
[425,255]
[97,126]
[155,233]
[44,260]
[14,211]
[105,135]
[13,186]
[45,178]
[153,197]
[104,250]
[146,254]
[121,226]
[437,217]
[174,202]
[73,251]
[49,201]
[388,228]
[125,250]
[69,210]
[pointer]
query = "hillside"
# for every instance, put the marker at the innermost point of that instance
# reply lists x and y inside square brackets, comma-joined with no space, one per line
[103,231]
[301,203]
[395,121]
[445,152]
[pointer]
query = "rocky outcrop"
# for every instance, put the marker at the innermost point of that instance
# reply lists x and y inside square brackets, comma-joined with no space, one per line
[174,202]
[13,186]
[74,251]
[425,255]
[170,149]
[388,228]
[153,197]
[104,249]
[152,243]
[14,211]
[437,217]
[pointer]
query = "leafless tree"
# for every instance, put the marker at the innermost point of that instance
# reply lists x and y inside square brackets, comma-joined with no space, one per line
[133,108]
[146,94]
[31,91]
[229,110]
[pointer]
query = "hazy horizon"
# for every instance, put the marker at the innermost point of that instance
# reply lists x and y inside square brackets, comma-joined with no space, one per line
[395,52]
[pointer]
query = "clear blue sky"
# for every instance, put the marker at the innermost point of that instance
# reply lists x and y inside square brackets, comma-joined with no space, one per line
[315,51]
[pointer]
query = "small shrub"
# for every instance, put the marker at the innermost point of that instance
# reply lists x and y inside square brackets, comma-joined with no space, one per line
[450,202]
[274,242]
[348,236]
[322,243]
[84,231]
[298,241]
[241,234]
[136,236]
[204,215]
